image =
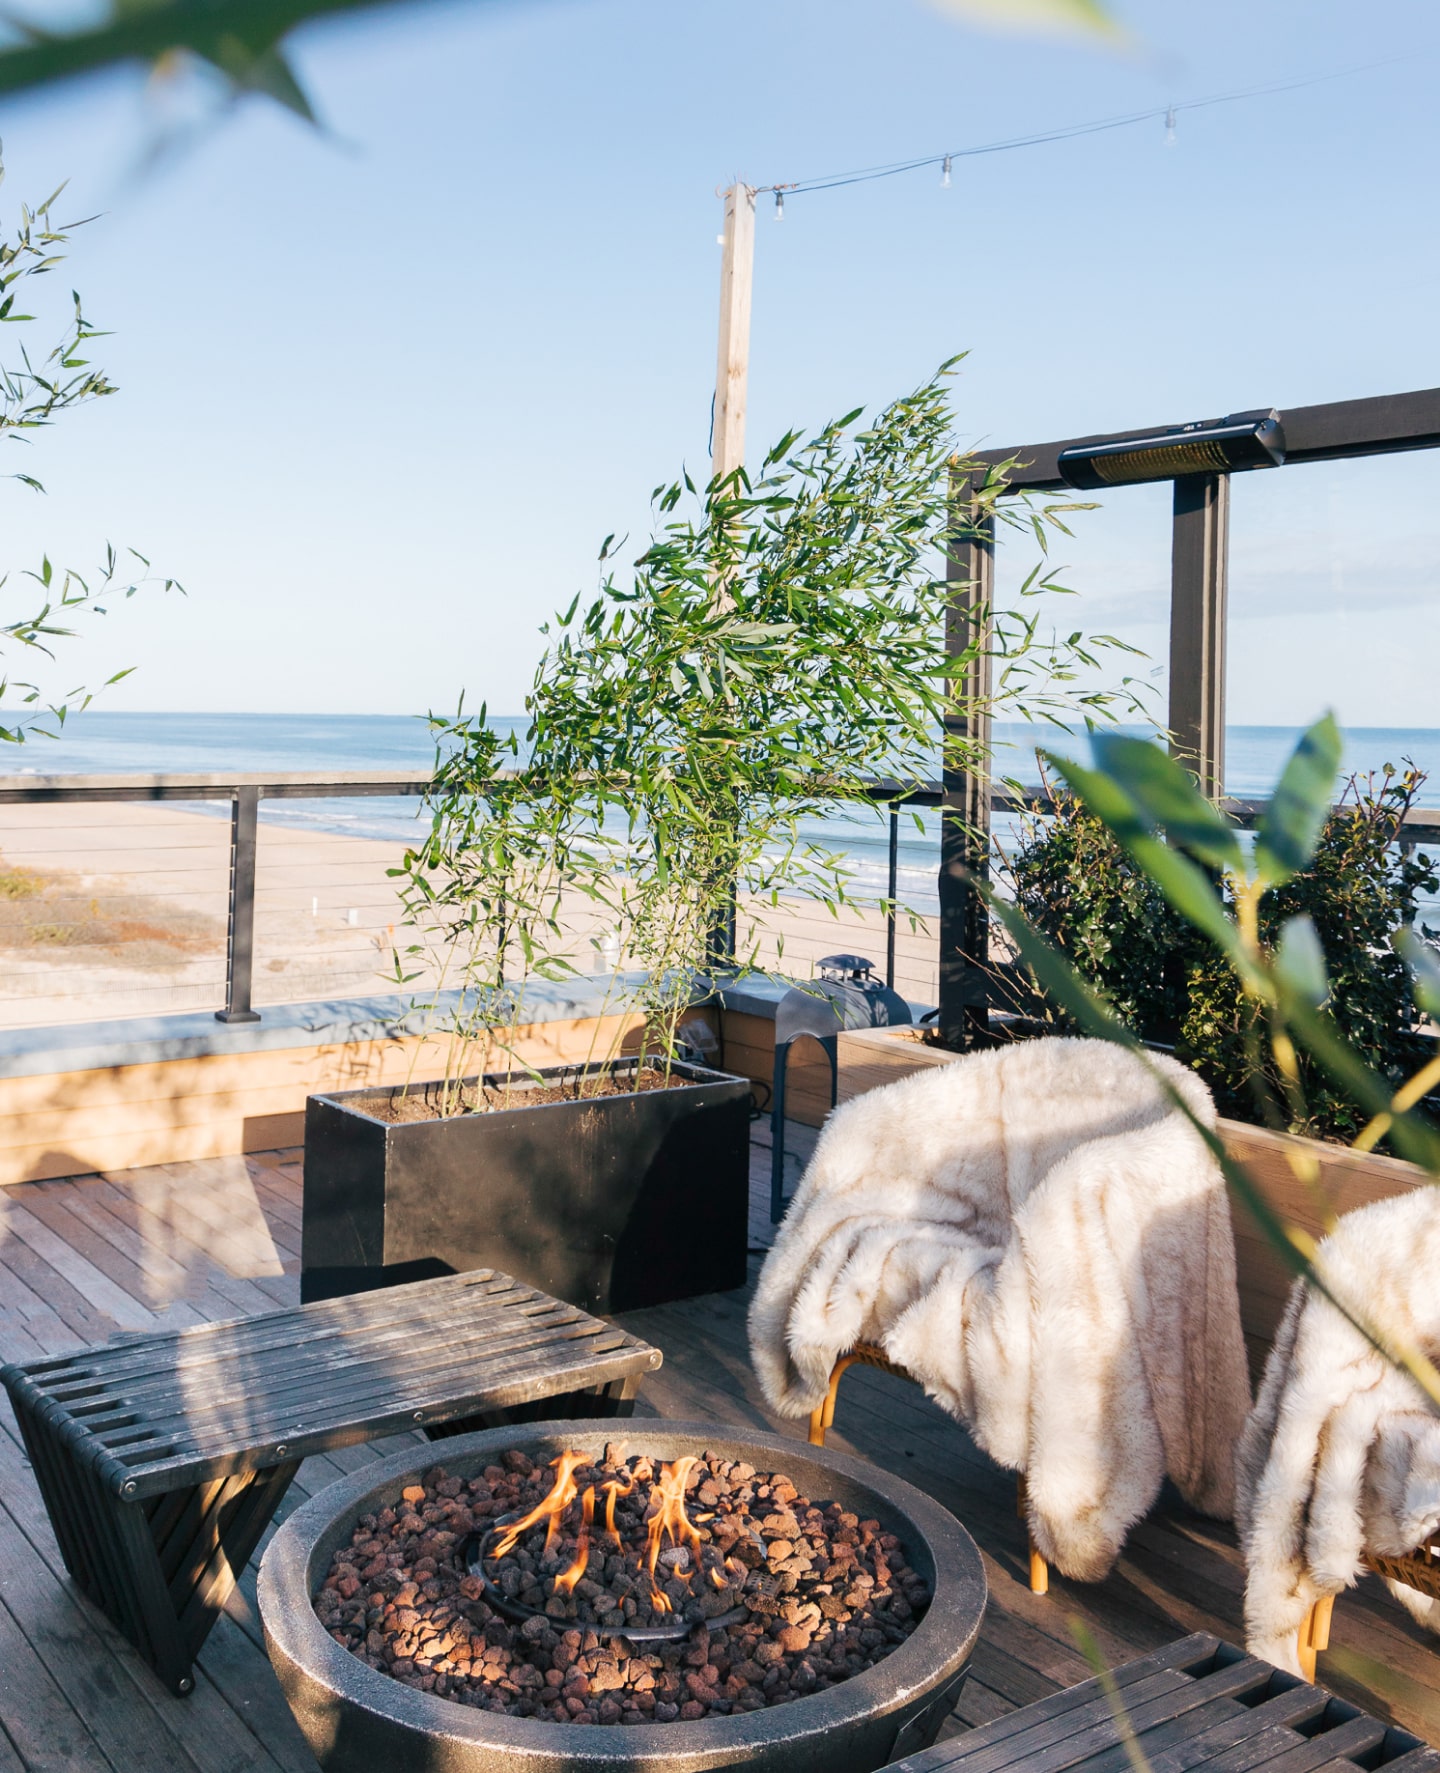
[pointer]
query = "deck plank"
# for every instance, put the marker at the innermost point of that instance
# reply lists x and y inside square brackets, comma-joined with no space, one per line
[209,1241]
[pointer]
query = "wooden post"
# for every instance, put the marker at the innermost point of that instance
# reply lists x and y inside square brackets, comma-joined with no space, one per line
[965,811]
[727,436]
[737,267]
[1199,563]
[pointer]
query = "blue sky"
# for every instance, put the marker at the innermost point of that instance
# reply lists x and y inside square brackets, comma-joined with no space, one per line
[384,393]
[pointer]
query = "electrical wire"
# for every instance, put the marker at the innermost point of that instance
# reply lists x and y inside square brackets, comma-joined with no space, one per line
[1167,113]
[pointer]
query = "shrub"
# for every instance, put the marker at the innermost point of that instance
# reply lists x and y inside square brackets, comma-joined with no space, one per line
[1075,883]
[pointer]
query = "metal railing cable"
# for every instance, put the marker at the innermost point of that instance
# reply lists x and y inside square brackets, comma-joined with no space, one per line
[245,792]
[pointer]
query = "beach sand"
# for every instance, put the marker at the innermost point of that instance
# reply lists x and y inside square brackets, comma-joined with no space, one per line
[119,910]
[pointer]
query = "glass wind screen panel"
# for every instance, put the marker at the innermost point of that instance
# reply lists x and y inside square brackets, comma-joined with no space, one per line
[1335,603]
[1115,566]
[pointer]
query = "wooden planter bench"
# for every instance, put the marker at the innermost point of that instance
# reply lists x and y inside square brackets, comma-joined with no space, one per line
[1200,1703]
[162,1458]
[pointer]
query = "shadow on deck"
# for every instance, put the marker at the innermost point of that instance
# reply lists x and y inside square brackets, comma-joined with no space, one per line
[88,1257]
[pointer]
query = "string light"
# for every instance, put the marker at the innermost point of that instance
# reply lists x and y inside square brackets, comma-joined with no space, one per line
[1169,113]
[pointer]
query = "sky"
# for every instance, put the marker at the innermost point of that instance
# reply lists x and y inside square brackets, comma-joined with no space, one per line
[385,389]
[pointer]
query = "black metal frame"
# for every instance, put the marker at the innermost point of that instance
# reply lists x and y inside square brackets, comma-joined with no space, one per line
[1338,430]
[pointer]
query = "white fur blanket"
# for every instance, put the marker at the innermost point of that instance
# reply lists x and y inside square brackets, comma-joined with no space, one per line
[1340,1455]
[1044,1242]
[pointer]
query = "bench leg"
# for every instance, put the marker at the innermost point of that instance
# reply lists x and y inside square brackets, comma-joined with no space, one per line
[1039,1569]
[160,1568]
[1314,1634]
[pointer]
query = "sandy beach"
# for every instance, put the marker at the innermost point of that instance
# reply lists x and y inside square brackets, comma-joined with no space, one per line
[112,910]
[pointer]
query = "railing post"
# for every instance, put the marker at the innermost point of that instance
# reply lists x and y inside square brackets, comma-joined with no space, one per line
[1199,573]
[240,942]
[892,892]
[965,796]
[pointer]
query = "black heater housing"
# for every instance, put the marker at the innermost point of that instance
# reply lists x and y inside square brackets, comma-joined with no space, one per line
[1210,446]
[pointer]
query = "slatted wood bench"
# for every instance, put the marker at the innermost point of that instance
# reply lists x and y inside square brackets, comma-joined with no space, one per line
[162,1458]
[1201,1704]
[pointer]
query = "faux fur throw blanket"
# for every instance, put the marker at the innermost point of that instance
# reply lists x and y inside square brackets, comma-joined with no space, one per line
[1043,1240]
[1340,1455]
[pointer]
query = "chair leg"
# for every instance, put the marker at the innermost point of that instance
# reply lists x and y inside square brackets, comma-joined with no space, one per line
[1314,1634]
[822,1418]
[1039,1569]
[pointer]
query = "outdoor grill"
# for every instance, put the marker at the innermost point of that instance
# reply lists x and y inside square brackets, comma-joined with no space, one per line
[845,995]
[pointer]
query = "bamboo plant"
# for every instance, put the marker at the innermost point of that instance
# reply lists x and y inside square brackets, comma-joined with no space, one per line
[778,644]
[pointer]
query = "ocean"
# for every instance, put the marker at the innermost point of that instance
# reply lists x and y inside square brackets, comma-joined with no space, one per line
[98,742]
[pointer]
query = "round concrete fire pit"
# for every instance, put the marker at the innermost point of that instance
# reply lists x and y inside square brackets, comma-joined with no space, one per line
[357,1719]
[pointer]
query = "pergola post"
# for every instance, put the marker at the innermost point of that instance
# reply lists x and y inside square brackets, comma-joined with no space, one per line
[965,804]
[1199,575]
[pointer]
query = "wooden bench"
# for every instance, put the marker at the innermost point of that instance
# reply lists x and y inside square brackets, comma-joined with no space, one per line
[162,1458]
[1201,1704]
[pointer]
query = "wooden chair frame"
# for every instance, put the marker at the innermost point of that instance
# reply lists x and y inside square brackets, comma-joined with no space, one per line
[822,1419]
[1419,1569]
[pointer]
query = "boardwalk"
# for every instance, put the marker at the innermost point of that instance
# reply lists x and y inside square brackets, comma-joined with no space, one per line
[85,1258]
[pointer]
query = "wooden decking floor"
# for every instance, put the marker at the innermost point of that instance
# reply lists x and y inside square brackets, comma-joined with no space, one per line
[87,1257]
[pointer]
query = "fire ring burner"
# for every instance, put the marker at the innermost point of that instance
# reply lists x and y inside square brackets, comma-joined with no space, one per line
[472,1554]
[357,1719]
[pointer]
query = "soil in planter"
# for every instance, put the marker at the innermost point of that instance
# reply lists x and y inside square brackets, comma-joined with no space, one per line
[424,1103]
[825,1594]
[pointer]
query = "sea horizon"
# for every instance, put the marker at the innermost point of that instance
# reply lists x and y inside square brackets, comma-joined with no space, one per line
[99,742]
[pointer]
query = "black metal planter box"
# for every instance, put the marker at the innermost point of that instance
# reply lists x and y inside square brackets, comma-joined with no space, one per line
[610,1202]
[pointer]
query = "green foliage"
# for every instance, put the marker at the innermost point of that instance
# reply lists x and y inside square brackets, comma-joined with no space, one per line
[1287,1026]
[1336,891]
[1074,882]
[243,39]
[779,643]
[1344,910]
[30,399]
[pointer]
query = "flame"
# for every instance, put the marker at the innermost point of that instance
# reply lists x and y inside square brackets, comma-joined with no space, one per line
[613,1490]
[670,1519]
[562,1494]
[567,1579]
[659,1602]
[717,1578]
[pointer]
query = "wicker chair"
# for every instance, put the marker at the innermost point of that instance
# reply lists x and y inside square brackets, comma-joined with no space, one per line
[1418,1569]
[822,1419]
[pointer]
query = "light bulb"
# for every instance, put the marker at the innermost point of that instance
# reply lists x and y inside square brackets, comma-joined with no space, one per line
[1170,127]
[779,206]
[945,173]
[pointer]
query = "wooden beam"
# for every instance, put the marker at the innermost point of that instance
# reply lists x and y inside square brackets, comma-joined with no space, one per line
[1379,425]
[1199,571]
[965,814]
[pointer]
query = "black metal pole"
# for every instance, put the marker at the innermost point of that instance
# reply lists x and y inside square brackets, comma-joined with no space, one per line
[965,803]
[240,946]
[892,892]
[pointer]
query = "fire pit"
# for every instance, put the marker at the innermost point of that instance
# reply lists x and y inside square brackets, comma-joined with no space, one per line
[889,1701]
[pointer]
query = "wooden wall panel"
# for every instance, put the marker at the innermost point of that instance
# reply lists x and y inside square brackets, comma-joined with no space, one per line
[125,1116]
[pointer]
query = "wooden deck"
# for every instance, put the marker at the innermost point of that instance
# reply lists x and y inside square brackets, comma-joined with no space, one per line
[87,1257]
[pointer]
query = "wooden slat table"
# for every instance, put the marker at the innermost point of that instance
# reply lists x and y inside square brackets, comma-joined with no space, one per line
[162,1458]
[1199,1703]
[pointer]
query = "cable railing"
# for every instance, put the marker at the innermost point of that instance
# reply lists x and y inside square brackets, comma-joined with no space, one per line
[162,895]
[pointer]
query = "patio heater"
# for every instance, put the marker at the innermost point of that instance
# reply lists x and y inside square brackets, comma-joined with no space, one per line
[844,994]
[1209,446]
